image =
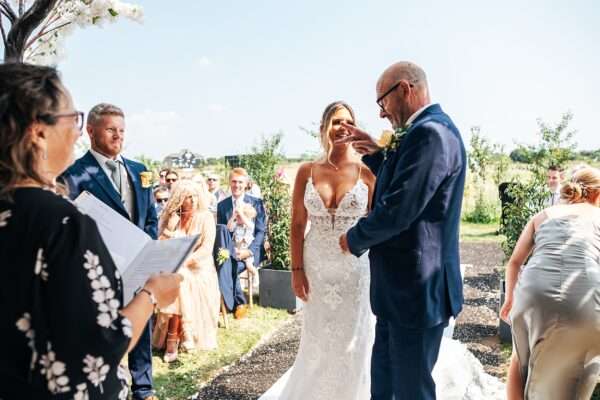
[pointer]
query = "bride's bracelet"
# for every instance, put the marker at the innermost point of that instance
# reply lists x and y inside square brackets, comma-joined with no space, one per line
[297,269]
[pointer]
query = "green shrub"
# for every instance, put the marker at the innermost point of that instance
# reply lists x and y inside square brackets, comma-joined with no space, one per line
[262,166]
[555,147]
[484,212]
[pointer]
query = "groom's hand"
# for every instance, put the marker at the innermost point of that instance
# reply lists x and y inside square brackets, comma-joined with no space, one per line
[344,244]
[360,140]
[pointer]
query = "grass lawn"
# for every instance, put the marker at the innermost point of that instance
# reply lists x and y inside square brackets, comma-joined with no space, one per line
[179,380]
[479,233]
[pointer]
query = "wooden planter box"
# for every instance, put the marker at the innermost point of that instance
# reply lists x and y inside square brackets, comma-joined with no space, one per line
[275,290]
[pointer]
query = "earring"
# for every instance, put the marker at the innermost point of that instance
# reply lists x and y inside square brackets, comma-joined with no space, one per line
[45,154]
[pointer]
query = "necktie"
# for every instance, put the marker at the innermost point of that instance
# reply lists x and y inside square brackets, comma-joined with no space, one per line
[115,173]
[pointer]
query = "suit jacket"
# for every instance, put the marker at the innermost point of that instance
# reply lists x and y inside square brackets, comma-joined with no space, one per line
[224,212]
[86,174]
[413,229]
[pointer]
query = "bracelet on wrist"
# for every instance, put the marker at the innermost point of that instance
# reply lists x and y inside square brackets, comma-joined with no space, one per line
[150,296]
[297,268]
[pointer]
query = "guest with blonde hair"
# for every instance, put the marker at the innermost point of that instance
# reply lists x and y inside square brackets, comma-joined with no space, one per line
[192,319]
[553,302]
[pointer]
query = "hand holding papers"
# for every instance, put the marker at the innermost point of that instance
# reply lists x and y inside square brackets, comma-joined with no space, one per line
[135,254]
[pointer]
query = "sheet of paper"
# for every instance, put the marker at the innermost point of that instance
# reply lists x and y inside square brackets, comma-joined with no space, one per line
[157,256]
[123,239]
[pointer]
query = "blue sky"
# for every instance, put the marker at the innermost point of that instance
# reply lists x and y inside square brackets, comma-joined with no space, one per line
[215,76]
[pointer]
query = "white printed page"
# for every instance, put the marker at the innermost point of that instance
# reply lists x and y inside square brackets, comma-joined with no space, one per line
[157,256]
[123,239]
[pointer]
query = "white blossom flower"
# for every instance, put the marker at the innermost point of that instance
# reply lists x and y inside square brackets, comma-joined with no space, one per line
[49,49]
[54,371]
[4,216]
[95,369]
[104,320]
[127,327]
[24,325]
[82,392]
[41,268]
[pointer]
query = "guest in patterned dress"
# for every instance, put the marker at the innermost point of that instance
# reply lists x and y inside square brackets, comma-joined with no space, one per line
[192,319]
[64,328]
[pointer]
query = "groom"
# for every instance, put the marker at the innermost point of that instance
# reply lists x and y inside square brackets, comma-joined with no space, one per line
[411,232]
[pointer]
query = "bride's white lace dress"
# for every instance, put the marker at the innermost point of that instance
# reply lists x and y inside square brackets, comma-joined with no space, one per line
[333,361]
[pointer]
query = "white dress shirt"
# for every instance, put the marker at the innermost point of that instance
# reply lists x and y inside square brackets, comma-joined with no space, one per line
[127,196]
[414,116]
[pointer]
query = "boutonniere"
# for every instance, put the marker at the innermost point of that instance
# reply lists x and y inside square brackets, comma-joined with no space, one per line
[222,255]
[146,178]
[389,140]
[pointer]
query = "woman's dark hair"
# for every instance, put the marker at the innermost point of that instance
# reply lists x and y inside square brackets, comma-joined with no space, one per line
[28,93]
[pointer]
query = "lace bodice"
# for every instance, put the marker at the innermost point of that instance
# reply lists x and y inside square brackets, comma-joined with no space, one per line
[353,205]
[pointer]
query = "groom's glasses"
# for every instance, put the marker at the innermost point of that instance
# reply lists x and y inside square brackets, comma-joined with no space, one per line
[390,90]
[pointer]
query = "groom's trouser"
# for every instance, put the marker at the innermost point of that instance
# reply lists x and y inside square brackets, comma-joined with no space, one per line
[402,361]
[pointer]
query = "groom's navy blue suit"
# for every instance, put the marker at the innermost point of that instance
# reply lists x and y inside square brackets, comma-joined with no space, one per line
[86,174]
[412,235]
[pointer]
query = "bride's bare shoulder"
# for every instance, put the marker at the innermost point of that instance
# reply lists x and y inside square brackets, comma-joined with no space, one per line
[303,173]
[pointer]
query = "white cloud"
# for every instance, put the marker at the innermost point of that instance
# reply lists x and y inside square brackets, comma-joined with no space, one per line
[216,108]
[202,61]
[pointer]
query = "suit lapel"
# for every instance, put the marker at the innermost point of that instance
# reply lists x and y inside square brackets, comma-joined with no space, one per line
[94,169]
[137,187]
[387,168]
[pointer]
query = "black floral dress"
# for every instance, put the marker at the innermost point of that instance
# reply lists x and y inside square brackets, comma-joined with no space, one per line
[60,296]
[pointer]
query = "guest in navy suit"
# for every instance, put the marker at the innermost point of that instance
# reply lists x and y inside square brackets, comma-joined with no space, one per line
[411,232]
[229,281]
[116,181]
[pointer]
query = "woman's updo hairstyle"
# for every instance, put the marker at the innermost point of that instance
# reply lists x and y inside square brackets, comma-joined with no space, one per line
[583,185]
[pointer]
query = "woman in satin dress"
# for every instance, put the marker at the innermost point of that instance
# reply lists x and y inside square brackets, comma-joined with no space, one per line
[553,302]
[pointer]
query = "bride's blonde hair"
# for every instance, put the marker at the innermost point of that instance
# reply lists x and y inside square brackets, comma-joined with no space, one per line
[584,185]
[325,126]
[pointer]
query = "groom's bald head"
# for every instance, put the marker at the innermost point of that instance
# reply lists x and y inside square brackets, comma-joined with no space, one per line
[409,91]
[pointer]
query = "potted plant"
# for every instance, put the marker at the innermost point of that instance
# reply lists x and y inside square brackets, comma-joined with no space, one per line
[275,276]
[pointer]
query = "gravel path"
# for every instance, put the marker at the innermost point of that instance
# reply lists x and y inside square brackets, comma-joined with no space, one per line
[477,326]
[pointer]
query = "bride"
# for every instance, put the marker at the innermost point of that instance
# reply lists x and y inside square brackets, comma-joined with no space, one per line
[333,360]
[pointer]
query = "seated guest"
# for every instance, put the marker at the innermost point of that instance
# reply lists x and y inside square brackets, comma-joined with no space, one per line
[63,322]
[192,319]
[229,279]
[161,196]
[553,302]
[241,226]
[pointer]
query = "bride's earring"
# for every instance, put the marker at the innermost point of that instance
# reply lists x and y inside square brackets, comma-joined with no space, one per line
[44,154]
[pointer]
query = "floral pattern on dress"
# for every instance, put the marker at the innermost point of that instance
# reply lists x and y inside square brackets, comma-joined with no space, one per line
[41,268]
[122,375]
[55,372]
[103,294]
[82,392]
[96,370]
[127,327]
[24,325]
[4,216]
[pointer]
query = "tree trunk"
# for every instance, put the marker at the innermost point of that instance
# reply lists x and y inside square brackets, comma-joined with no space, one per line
[22,28]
